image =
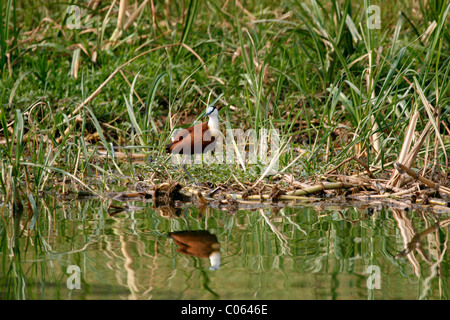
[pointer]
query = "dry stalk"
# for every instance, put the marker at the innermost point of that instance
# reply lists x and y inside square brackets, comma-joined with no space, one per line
[428,182]
[375,137]
[405,147]
[122,9]
[321,187]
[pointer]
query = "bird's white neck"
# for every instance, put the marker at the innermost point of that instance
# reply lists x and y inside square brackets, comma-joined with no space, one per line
[213,123]
[214,259]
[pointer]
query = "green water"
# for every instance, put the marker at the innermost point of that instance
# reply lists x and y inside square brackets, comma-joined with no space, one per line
[78,250]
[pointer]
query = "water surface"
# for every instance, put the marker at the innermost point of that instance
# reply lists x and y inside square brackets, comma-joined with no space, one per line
[81,250]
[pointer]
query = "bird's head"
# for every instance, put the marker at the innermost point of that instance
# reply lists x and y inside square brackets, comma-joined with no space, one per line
[211,111]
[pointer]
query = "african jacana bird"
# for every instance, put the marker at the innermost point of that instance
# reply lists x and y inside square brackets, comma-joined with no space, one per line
[199,138]
[198,243]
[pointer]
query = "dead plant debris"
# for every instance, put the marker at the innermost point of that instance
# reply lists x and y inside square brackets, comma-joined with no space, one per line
[285,190]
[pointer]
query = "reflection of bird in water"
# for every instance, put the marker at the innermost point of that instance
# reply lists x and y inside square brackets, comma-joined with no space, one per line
[198,243]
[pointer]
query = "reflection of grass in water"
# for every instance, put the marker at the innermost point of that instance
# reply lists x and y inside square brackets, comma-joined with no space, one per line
[129,256]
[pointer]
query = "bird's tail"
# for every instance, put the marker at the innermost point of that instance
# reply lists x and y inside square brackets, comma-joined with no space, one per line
[168,146]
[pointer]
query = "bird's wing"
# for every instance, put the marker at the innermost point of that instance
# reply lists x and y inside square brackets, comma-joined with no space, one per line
[182,134]
[184,140]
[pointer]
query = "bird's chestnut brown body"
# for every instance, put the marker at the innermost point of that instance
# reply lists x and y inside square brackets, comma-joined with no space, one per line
[193,140]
